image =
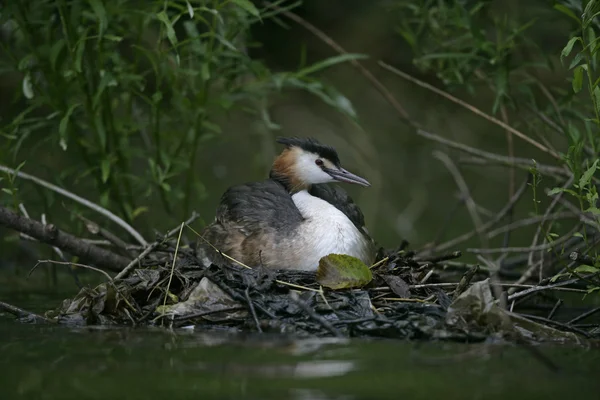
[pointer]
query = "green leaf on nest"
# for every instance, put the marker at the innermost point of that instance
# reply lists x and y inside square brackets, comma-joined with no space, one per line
[340,271]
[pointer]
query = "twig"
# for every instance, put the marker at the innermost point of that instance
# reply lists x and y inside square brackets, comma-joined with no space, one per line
[21,313]
[464,189]
[326,324]
[529,288]
[95,229]
[51,235]
[406,300]
[470,108]
[252,310]
[236,296]
[465,280]
[69,264]
[447,219]
[130,266]
[528,221]
[79,200]
[188,317]
[173,265]
[520,162]
[58,251]
[584,315]
[440,258]
[378,263]
[511,153]
[547,321]
[555,172]
[538,288]
[558,303]
[545,246]
[466,236]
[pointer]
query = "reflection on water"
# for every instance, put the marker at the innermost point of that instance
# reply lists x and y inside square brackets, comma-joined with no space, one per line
[108,363]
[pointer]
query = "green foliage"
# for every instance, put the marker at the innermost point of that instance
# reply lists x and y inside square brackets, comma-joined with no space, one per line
[464,42]
[476,44]
[131,91]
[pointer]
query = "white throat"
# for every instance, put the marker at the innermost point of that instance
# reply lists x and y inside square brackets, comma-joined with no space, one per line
[326,230]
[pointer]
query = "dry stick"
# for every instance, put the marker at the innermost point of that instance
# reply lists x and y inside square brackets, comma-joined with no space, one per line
[466,193]
[20,313]
[187,317]
[334,45]
[466,236]
[173,265]
[529,221]
[557,288]
[584,315]
[516,161]
[51,235]
[252,310]
[552,100]
[26,214]
[554,172]
[95,229]
[446,222]
[125,272]
[58,251]
[546,287]
[545,246]
[326,324]
[511,154]
[440,258]
[558,303]
[470,108]
[69,264]
[511,182]
[79,200]
[547,321]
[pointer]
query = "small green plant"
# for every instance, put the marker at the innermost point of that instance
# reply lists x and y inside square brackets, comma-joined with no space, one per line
[582,54]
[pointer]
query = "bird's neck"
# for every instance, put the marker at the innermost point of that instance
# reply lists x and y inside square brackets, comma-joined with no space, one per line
[283,171]
[291,186]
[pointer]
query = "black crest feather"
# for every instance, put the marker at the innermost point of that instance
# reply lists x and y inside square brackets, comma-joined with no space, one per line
[313,146]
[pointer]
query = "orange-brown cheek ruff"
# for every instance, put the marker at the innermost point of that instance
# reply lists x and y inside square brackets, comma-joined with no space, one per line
[284,170]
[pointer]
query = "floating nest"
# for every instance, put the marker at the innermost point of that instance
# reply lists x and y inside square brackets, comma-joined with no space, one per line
[405,299]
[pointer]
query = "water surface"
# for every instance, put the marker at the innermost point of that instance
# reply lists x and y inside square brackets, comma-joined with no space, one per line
[49,362]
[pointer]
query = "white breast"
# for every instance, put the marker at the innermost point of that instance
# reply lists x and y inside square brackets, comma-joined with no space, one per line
[326,230]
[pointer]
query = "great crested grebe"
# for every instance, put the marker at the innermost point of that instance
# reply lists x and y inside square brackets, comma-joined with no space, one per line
[292,219]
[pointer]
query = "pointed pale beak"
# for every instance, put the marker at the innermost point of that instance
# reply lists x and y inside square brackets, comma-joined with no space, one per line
[341,175]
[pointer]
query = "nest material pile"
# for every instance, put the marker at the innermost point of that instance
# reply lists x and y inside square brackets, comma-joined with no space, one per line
[405,299]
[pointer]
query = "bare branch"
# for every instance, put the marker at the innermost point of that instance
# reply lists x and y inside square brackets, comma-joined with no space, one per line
[117,220]
[51,235]
[470,108]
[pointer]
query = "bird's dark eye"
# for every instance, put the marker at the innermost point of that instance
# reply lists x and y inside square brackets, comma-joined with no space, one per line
[319,162]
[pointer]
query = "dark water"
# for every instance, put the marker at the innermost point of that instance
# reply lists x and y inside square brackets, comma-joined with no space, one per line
[41,362]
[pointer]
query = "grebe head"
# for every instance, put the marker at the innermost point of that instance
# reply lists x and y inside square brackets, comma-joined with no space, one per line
[305,162]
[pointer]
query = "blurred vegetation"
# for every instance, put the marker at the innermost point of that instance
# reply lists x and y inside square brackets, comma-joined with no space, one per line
[118,97]
[116,100]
